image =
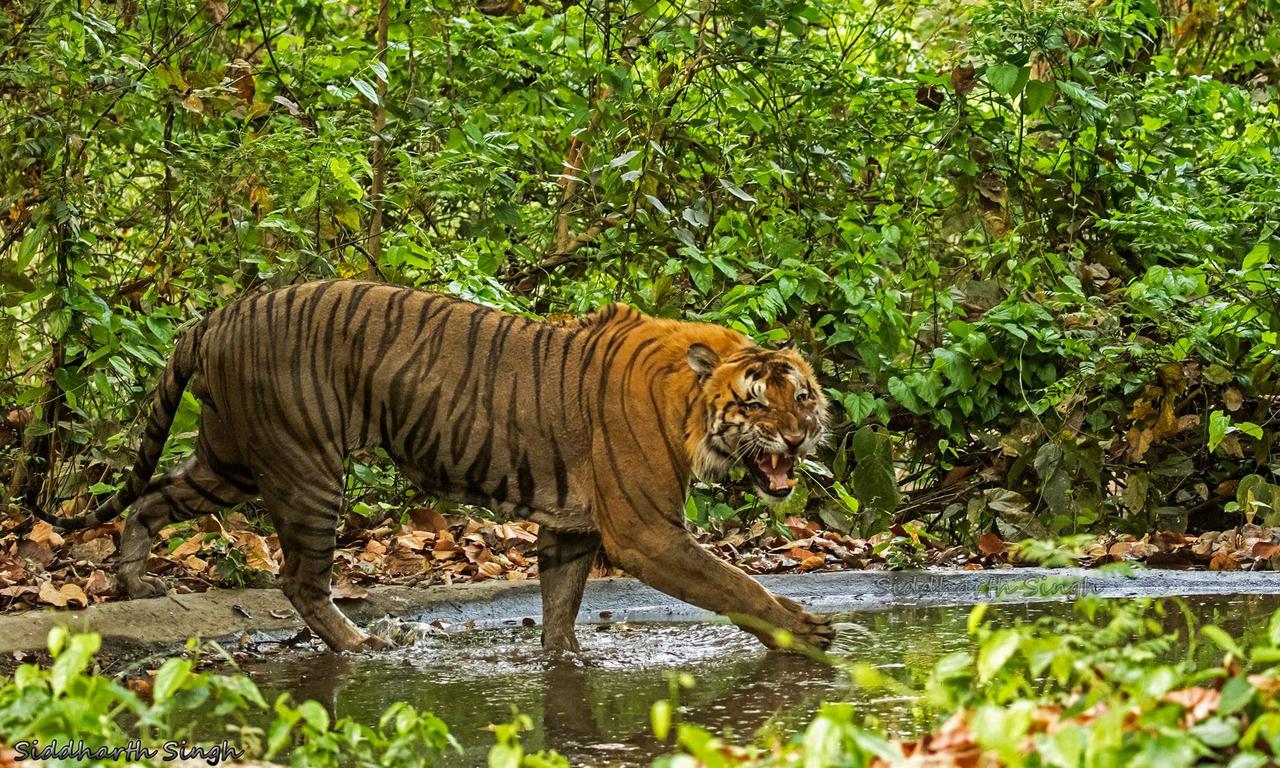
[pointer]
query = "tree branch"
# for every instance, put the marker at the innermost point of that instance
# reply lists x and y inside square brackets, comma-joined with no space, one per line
[525,280]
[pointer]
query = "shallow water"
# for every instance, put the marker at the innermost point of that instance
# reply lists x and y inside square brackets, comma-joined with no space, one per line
[595,709]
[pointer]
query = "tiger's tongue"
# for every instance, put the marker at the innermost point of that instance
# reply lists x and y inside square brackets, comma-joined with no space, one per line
[779,474]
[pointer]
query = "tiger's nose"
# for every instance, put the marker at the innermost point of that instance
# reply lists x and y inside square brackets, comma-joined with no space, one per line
[793,440]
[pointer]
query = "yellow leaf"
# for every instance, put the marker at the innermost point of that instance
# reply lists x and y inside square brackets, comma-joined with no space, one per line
[348,217]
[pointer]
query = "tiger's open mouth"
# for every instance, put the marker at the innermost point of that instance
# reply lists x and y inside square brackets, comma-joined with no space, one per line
[772,473]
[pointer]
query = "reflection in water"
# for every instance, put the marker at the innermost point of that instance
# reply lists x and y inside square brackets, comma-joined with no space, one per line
[595,707]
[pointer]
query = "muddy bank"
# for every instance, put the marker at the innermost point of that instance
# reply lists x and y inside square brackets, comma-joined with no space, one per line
[227,613]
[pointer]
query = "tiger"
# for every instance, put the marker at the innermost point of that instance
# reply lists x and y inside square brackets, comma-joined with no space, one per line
[591,427]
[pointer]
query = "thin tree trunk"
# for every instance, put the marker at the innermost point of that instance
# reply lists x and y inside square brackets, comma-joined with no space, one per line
[379,157]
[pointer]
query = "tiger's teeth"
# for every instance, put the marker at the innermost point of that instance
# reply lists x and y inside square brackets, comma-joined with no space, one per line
[774,457]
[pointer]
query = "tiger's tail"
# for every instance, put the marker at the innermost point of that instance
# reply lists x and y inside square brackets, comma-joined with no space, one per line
[181,367]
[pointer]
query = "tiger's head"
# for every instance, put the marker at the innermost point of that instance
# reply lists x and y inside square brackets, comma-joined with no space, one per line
[764,410]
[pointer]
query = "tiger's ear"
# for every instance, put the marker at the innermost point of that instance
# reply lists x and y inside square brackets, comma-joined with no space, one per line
[702,360]
[787,343]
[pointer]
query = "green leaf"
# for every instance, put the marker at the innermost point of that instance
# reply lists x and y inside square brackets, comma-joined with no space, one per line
[1055,483]
[822,741]
[1236,693]
[1080,94]
[701,273]
[309,197]
[314,714]
[657,204]
[903,394]
[1248,428]
[1258,498]
[1035,96]
[366,89]
[1217,374]
[875,484]
[72,660]
[1217,732]
[1004,78]
[660,718]
[976,615]
[1260,254]
[348,216]
[1219,424]
[505,756]
[996,652]
[691,508]
[623,158]
[858,405]
[278,737]
[736,191]
[1014,518]
[1222,640]
[173,673]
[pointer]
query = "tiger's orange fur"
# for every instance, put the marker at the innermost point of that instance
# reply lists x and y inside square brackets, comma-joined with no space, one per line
[591,428]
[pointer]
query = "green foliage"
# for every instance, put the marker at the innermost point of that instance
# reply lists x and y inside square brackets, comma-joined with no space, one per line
[66,700]
[874,481]
[507,752]
[905,547]
[1038,239]
[1116,683]
[69,700]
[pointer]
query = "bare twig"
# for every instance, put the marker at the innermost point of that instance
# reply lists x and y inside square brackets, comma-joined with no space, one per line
[271,55]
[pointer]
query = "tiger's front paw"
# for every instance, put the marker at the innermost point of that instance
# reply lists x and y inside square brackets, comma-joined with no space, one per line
[376,643]
[811,629]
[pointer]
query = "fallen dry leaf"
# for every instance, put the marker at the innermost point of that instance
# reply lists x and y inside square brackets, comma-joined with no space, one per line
[43,533]
[51,595]
[811,563]
[427,519]
[1233,399]
[100,583]
[343,589]
[1198,702]
[1264,550]
[1224,561]
[489,570]
[189,547]
[257,552]
[991,544]
[74,594]
[141,686]
[96,551]
[36,551]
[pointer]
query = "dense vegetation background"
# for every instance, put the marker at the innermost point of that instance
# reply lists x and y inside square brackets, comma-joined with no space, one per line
[1031,245]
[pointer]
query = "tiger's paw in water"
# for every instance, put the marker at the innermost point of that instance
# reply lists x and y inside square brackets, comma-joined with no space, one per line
[397,633]
[375,643]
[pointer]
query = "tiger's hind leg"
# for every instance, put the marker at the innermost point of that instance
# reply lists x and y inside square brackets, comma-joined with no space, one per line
[190,490]
[564,562]
[305,513]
